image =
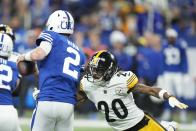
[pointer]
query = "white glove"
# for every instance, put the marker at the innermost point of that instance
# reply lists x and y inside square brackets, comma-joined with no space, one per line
[35,93]
[174,102]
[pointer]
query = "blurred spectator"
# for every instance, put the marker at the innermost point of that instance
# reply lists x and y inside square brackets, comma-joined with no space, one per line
[39,11]
[148,68]
[95,43]
[79,38]
[16,24]
[30,38]
[118,41]
[108,19]
[123,23]
[149,58]
[5,11]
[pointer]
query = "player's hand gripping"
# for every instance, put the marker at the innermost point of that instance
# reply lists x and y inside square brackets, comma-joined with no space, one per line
[175,102]
[20,58]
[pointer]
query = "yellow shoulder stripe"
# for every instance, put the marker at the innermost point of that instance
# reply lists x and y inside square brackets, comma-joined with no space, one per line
[81,87]
[131,78]
[132,81]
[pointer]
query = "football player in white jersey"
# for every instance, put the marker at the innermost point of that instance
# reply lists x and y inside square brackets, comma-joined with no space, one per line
[111,91]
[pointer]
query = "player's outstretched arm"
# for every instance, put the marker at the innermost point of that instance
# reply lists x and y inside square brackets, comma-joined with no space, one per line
[159,93]
[38,53]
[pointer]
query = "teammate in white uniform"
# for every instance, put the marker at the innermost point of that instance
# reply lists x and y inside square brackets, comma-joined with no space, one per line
[111,91]
[9,80]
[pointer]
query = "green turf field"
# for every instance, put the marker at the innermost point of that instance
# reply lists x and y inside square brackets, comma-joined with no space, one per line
[25,128]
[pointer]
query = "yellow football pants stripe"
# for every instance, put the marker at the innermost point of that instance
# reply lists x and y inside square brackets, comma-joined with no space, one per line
[153,125]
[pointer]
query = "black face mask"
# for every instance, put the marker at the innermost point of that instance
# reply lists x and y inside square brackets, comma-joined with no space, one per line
[97,73]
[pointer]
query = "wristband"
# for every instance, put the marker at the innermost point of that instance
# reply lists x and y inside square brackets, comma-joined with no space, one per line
[161,93]
[27,56]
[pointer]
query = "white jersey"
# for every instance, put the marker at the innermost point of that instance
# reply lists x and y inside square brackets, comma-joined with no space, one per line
[113,100]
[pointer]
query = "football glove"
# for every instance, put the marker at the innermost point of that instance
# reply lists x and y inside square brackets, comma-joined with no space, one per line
[35,93]
[175,102]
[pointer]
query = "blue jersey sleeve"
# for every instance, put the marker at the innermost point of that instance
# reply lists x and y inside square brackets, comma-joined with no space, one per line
[48,36]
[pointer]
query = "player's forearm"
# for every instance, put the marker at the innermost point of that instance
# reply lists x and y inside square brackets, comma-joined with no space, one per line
[160,93]
[37,54]
[81,96]
[153,91]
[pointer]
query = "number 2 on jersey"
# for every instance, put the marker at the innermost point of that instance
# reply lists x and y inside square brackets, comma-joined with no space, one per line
[5,77]
[71,61]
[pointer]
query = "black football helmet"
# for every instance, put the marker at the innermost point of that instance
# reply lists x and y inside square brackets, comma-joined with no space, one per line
[102,66]
[7,30]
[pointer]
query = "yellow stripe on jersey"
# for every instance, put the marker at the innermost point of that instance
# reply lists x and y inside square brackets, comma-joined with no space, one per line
[81,87]
[132,81]
[97,56]
[153,125]
[131,78]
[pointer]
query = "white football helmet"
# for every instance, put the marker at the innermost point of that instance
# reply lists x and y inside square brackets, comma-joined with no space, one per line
[6,45]
[61,22]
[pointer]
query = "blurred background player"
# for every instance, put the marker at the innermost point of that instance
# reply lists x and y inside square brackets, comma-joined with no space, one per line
[111,91]
[118,42]
[175,67]
[9,81]
[59,63]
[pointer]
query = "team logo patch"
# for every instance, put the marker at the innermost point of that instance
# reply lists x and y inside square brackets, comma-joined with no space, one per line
[120,91]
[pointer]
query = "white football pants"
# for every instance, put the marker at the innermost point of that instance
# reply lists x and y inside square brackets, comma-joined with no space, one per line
[9,118]
[173,83]
[53,116]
